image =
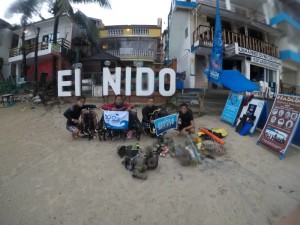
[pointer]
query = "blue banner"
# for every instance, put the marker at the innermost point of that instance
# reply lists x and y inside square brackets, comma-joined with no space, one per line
[116,120]
[216,58]
[166,123]
[232,108]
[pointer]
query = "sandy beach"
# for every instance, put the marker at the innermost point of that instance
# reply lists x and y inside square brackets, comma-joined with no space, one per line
[47,178]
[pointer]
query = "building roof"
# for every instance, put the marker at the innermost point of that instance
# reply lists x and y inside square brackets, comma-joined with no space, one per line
[130,26]
[4,24]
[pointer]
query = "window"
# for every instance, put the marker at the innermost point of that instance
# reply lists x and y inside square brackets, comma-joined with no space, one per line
[115,32]
[49,37]
[140,31]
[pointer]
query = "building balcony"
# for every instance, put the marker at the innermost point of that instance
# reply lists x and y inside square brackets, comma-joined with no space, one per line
[238,8]
[204,35]
[132,54]
[44,49]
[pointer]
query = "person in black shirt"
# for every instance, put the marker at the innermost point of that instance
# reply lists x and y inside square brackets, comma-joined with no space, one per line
[185,120]
[147,112]
[73,113]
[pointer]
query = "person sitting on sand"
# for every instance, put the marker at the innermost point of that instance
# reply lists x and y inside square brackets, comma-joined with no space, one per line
[120,105]
[185,120]
[73,113]
[147,112]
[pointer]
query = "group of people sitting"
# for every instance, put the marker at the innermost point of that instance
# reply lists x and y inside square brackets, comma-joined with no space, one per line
[74,114]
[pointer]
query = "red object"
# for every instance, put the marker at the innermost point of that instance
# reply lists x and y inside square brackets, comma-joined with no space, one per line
[110,106]
[219,140]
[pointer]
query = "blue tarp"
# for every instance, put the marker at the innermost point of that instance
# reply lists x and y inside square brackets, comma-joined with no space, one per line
[237,82]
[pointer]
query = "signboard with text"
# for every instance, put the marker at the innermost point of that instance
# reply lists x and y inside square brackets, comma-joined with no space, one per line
[166,123]
[232,108]
[116,120]
[257,108]
[282,123]
[55,49]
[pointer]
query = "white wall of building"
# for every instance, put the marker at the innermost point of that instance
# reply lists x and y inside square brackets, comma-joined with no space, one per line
[46,28]
[286,44]
[5,45]
[180,44]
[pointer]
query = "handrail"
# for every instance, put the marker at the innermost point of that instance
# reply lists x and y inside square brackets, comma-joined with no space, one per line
[206,33]
[41,46]
[289,89]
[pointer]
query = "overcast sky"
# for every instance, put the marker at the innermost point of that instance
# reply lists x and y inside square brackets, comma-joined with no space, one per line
[123,12]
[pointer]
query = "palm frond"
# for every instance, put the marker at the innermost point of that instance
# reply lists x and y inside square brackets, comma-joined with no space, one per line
[28,8]
[86,23]
[102,3]
[63,7]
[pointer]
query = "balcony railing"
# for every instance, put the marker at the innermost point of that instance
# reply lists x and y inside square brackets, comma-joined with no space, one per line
[132,53]
[206,33]
[41,46]
[289,89]
[238,9]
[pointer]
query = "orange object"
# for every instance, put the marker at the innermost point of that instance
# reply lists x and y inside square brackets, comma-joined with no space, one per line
[217,139]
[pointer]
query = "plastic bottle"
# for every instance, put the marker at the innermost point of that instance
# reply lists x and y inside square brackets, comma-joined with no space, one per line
[193,161]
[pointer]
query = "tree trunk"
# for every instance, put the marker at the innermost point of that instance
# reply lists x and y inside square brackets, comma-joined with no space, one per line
[54,58]
[36,59]
[23,54]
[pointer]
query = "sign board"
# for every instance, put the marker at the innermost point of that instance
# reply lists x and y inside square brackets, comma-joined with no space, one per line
[116,120]
[282,124]
[261,58]
[265,63]
[231,50]
[208,44]
[55,49]
[258,108]
[165,123]
[232,108]
[143,75]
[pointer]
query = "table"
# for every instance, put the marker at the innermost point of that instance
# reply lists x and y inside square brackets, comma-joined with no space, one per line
[7,98]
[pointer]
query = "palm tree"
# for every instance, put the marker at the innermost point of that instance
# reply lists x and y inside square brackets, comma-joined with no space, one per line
[57,8]
[23,7]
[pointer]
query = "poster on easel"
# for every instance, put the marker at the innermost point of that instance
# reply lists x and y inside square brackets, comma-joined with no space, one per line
[254,114]
[231,109]
[282,124]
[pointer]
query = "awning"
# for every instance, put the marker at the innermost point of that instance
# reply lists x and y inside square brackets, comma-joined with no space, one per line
[237,82]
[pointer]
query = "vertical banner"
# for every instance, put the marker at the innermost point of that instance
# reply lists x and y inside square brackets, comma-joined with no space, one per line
[165,123]
[282,124]
[216,58]
[232,108]
[257,110]
[116,120]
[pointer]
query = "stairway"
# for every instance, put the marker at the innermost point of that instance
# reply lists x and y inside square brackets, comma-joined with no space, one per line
[214,103]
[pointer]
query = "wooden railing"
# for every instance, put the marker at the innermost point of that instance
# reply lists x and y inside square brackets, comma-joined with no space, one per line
[41,46]
[289,89]
[206,34]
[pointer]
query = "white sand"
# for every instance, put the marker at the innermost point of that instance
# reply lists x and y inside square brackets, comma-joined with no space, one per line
[46,178]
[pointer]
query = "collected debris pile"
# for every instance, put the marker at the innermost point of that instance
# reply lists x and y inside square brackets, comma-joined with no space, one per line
[23,98]
[209,144]
[211,149]
[139,160]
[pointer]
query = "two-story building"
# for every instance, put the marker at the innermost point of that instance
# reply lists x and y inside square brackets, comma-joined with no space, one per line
[135,46]
[41,33]
[250,44]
